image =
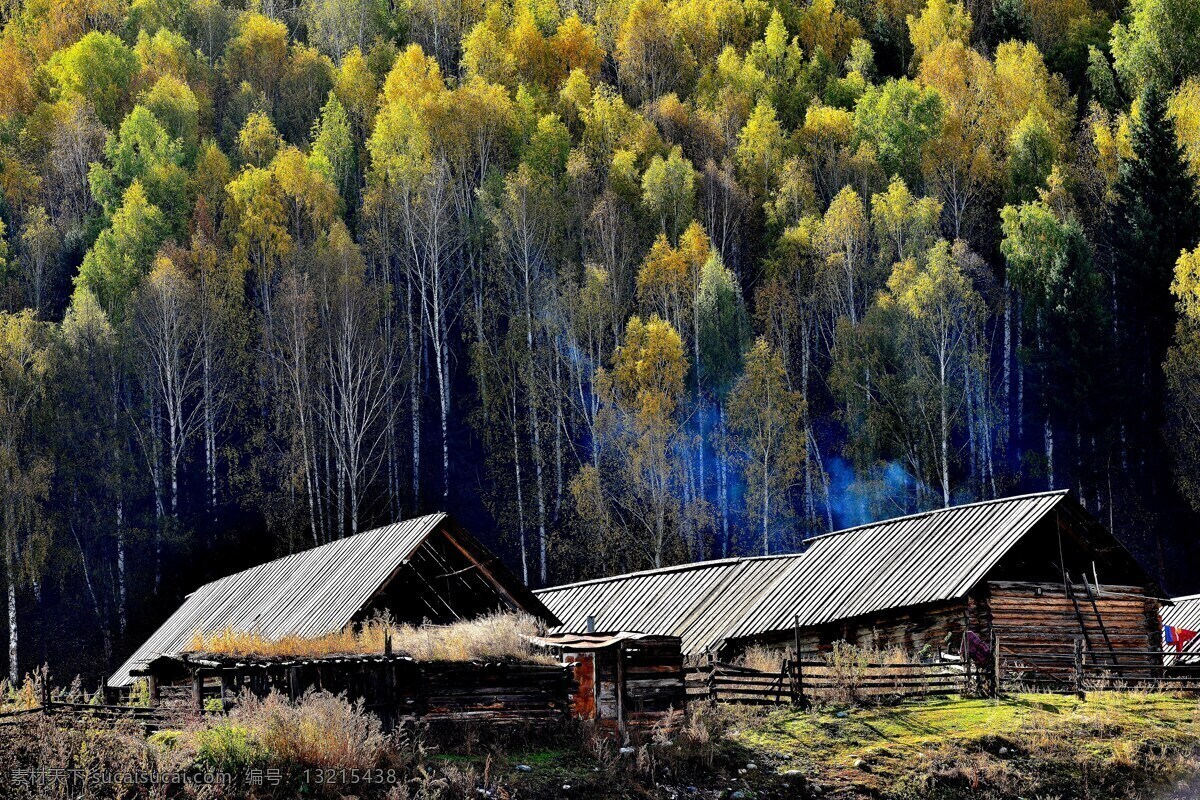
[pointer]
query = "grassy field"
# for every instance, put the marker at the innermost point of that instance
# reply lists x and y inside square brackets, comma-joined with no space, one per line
[1034,747]
[1110,745]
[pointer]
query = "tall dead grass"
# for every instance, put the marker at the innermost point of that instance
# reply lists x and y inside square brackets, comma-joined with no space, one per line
[320,730]
[501,636]
[763,659]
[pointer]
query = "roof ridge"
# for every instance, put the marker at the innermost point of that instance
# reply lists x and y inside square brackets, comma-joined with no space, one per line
[943,510]
[687,565]
[713,562]
[376,530]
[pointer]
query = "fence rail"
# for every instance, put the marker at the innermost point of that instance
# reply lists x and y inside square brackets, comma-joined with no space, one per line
[800,682]
[1085,669]
[1003,669]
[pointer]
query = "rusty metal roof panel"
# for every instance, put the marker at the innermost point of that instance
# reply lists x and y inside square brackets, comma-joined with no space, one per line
[921,558]
[310,593]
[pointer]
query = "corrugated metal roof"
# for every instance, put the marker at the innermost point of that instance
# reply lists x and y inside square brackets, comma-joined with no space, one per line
[310,593]
[1185,613]
[922,558]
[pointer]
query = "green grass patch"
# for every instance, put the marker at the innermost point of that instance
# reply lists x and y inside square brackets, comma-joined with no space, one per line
[1014,746]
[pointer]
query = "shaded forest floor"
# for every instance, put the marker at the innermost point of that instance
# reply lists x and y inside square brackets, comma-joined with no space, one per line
[1111,746]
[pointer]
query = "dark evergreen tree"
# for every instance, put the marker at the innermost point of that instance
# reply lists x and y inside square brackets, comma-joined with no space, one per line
[1155,217]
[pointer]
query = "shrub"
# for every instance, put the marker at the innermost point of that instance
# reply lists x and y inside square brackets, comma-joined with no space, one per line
[139,693]
[763,659]
[27,694]
[847,665]
[165,739]
[320,730]
[228,747]
[84,748]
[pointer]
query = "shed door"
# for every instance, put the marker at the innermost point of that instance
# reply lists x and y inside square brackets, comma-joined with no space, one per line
[583,702]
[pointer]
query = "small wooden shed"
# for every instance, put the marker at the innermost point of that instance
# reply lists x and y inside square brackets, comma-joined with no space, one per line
[626,682]
[394,687]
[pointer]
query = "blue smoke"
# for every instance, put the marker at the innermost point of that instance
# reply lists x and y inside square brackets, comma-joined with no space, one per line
[885,491]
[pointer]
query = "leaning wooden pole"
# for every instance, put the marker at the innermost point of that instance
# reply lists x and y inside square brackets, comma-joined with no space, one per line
[799,675]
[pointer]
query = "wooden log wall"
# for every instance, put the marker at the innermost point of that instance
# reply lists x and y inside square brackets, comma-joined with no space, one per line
[399,689]
[1038,624]
[921,630]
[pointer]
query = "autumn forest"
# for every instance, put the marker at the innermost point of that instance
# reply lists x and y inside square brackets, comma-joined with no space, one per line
[620,283]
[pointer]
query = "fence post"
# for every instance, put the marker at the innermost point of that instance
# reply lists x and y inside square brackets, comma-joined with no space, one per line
[621,732]
[1079,668]
[965,652]
[197,691]
[712,678]
[799,677]
[995,665]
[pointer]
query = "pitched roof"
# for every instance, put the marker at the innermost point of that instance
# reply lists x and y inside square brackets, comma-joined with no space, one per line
[922,558]
[310,593]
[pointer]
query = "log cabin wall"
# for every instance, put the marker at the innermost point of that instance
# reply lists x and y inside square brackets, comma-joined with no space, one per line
[394,688]
[1041,618]
[921,631]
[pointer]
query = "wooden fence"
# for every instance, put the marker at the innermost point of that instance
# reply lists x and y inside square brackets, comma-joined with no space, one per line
[800,682]
[394,689]
[1080,670]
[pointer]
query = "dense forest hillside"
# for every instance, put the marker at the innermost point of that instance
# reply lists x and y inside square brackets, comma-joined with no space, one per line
[622,283]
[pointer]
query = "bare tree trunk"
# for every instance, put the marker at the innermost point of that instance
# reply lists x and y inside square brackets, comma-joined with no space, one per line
[416,358]
[1008,355]
[101,617]
[14,669]
[210,435]
[945,437]
[766,504]
[121,614]
[1020,410]
[724,483]
[10,572]
[520,495]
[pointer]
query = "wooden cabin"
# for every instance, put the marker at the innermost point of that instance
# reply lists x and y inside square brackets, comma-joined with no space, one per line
[1037,571]
[396,688]
[428,569]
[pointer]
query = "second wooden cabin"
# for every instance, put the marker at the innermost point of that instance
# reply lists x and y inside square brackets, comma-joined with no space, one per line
[1037,571]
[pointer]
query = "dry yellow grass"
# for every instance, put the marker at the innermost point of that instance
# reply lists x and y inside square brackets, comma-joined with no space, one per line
[763,659]
[495,636]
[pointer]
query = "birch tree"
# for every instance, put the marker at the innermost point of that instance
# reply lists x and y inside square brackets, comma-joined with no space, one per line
[767,421]
[166,329]
[24,466]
